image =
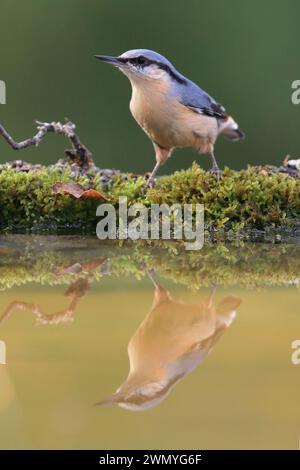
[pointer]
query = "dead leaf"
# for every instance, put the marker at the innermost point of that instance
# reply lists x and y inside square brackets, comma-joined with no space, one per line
[76,190]
[76,268]
[73,269]
[93,194]
[93,264]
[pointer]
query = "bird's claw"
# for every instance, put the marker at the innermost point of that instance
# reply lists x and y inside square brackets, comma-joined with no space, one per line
[216,172]
[151,183]
[148,185]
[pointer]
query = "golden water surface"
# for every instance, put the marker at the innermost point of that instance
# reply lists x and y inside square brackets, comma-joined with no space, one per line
[170,362]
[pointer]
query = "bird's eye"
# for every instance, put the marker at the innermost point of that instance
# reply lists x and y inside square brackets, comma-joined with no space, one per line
[141,60]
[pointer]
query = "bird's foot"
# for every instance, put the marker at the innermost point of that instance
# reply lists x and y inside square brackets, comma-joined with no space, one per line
[215,170]
[151,182]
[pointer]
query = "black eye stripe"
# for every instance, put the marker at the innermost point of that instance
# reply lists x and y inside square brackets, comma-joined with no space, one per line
[139,61]
[144,62]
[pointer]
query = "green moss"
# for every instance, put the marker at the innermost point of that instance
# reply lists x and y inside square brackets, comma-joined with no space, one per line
[245,199]
[28,201]
[249,199]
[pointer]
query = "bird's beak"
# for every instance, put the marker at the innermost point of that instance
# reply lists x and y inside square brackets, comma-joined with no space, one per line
[109,59]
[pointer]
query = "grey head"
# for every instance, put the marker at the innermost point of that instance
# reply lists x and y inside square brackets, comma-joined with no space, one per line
[136,395]
[144,64]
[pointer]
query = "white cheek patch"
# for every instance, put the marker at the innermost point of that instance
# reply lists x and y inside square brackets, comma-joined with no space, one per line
[153,71]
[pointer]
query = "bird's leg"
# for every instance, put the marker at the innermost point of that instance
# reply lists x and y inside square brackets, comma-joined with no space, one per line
[151,275]
[160,294]
[161,155]
[151,180]
[215,168]
[212,294]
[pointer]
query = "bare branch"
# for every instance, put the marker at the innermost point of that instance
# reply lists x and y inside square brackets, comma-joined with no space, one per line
[77,290]
[79,154]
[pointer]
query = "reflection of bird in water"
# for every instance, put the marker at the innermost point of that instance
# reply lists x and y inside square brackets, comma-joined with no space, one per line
[173,340]
[76,291]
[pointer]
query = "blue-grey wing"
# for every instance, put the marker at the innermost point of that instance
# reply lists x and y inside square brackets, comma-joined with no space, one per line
[199,101]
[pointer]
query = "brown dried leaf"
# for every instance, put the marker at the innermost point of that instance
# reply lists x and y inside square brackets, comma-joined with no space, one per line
[73,269]
[76,268]
[93,264]
[93,194]
[76,190]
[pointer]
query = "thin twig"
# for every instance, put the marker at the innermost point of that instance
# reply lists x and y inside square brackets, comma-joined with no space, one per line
[79,154]
[77,290]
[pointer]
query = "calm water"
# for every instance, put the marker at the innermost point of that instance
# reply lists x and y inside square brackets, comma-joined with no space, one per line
[179,350]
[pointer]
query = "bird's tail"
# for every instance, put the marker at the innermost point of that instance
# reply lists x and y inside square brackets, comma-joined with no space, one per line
[230,129]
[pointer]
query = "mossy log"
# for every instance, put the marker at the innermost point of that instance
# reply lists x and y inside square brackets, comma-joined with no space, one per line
[260,197]
[254,198]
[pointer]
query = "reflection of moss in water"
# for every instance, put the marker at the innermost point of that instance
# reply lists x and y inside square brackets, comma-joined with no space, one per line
[252,198]
[245,265]
[51,261]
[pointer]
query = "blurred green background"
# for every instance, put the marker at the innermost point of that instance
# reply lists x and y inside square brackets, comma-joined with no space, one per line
[246,55]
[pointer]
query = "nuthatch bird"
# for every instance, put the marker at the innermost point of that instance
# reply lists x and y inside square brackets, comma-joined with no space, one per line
[171,109]
[172,341]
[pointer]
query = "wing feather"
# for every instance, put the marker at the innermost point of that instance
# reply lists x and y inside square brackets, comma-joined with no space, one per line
[196,99]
